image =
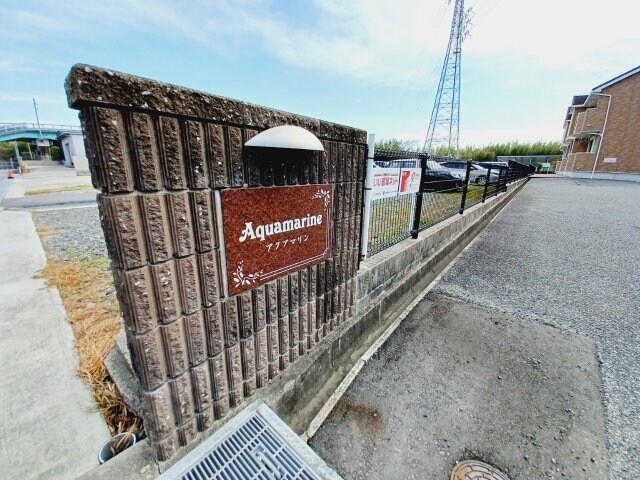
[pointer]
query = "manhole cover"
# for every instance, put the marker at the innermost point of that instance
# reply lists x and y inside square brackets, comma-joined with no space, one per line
[474,470]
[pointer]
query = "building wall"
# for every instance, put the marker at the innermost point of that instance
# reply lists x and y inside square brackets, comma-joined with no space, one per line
[581,161]
[157,153]
[621,139]
[72,145]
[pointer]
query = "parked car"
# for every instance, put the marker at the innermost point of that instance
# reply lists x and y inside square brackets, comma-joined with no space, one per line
[398,163]
[494,165]
[477,174]
[438,178]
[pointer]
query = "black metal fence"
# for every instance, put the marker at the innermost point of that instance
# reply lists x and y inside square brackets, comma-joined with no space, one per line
[443,193]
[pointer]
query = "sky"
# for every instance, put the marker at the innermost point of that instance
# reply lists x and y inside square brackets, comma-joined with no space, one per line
[370,64]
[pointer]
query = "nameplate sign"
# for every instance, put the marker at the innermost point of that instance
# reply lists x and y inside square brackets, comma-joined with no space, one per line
[272,231]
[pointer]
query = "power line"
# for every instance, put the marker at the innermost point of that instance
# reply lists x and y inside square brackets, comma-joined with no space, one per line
[444,124]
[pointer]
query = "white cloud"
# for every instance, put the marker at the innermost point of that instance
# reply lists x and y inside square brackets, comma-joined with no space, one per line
[546,46]
[574,35]
[387,43]
[398,43]
[364,40]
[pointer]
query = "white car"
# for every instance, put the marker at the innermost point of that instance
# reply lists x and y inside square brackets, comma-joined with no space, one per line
[477,174]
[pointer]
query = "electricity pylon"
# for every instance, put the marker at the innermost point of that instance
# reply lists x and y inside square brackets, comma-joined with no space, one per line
[444,125]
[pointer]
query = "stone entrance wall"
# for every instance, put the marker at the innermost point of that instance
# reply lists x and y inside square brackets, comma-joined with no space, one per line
[157,152]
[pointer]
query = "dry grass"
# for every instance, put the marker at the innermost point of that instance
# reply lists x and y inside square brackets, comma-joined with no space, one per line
[43,230]
[95,320]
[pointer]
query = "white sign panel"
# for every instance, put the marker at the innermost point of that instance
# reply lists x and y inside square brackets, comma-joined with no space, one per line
[610,160]
[410,180]
[386,182]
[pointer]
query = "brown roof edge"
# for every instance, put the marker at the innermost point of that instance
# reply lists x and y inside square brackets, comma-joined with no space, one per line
[90,85]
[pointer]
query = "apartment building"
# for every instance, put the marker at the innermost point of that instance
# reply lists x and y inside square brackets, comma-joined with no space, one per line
[602,131]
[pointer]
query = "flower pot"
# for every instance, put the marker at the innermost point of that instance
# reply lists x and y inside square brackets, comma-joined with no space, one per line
[117,444]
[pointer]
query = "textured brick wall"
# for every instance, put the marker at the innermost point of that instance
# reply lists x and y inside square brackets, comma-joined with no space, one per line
[581,161]
[621,139]
[157,152]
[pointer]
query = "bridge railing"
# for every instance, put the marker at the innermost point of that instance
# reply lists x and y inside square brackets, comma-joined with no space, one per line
[17,127]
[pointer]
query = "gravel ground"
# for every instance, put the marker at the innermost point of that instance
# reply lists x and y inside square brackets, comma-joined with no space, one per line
[72,234]
[569,256]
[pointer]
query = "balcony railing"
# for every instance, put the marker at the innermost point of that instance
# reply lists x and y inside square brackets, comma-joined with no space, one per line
[589,122]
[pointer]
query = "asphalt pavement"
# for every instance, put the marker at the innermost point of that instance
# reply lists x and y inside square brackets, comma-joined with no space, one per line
[561,261]
[48,185]
[568,255]
[456,382]
[54,200]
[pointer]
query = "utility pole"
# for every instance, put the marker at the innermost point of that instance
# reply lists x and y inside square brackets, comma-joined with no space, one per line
[444,124]
[40,143]
[18,157]
[35,107]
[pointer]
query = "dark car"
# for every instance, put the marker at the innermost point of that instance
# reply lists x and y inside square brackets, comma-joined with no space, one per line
[438,178]
[495,166]
[477,173]
[398,163]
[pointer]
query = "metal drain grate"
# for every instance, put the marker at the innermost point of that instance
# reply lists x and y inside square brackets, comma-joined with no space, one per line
[255,444]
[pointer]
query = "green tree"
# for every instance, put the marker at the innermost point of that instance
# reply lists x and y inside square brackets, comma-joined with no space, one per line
[55,152]
[397,144]
[7,150]
[489,152]
[486,153]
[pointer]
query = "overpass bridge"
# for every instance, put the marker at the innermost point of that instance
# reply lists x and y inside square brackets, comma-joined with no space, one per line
[33,131]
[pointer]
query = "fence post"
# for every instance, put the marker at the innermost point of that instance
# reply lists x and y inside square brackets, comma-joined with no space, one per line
[498,183]
[486,184]
[466,186]
[505,179]
[418,211]
[368,185]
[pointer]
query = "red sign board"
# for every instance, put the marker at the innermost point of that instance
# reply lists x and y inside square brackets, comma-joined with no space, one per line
[272,231]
